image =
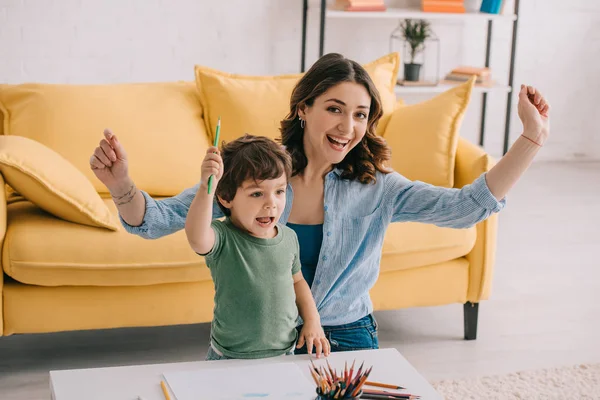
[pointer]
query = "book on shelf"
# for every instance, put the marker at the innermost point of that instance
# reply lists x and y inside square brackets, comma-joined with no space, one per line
[424,84]
[464,72]
[464,78]
[487,84]
[492,6]
[360,5]
[402,82]
[443,6]
[470,70]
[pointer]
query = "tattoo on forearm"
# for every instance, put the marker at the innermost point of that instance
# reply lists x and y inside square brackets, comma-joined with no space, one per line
[127,197]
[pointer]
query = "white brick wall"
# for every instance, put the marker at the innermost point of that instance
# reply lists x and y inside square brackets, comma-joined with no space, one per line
[95,41]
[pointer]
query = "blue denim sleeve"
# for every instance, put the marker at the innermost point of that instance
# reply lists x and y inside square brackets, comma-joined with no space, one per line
[166,216]
[447,207]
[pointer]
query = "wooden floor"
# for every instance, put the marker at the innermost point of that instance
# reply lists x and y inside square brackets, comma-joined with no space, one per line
[544,310]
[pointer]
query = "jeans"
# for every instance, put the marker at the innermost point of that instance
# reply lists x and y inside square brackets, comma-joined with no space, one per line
[212,354]
[358,335]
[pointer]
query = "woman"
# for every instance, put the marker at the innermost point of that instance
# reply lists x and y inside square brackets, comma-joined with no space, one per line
[341,196]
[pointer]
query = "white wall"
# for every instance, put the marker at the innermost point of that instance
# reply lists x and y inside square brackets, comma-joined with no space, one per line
[94,41]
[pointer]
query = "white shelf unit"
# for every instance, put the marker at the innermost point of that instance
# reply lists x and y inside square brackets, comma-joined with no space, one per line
[400,14]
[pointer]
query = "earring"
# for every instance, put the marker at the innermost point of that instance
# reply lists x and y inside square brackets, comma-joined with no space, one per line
[302,123]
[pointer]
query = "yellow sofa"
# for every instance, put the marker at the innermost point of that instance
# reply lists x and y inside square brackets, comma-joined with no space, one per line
[60,274]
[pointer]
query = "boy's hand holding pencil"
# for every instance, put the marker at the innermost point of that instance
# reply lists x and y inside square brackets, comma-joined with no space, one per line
[212,166]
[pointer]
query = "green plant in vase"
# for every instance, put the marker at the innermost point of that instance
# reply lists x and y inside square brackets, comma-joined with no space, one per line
[415,33]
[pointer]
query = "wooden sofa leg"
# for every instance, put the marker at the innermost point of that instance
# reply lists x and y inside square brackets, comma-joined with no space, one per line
[470,311]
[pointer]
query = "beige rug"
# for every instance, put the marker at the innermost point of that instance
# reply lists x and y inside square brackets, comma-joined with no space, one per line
[575,382]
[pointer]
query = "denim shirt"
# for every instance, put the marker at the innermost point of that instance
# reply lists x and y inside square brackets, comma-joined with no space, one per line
[356,218]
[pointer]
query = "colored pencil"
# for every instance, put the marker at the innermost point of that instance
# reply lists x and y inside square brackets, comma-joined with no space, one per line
[361,382]
[384,393]
[165,391]
[344,384]
[210,178]
[386,397]
[384,385]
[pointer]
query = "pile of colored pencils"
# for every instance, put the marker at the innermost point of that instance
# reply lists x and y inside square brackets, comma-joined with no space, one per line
[330,385]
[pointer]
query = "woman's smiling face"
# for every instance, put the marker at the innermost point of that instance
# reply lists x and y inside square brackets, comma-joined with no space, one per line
[336,122]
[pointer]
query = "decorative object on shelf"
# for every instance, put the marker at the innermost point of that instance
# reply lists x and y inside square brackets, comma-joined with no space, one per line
[360,5]
[443,6]
[472,6]
[491,6]
[421,47]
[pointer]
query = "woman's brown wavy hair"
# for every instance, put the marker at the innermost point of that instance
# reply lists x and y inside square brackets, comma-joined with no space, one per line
[368,156]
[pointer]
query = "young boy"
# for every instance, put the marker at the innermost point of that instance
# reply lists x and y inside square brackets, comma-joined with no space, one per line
[254,260]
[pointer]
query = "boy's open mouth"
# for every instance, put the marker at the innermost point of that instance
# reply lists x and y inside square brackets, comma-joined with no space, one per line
[265,221]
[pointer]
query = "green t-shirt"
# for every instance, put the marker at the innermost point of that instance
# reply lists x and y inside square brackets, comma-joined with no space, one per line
[255,311]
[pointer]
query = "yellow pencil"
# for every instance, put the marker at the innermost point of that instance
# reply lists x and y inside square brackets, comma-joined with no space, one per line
[165,391]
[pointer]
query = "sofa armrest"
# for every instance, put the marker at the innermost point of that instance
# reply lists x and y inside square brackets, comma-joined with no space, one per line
[3,218]
[471,162]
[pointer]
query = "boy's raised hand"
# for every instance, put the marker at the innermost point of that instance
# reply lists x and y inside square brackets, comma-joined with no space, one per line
[212,165]
[312,334]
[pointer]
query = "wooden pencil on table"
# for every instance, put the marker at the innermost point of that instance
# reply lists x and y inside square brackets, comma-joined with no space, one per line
[387,397]
[395,395]
[165,390]
[383,385]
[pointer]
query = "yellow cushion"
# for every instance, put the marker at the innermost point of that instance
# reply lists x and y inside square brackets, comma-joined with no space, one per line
[424,136]
[42,250]
[257,104]
[39,309]
[51,182]
[433,285]
[413,245]
[160,125]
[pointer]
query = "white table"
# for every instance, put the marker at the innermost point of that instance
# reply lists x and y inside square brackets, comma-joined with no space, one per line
[127,383]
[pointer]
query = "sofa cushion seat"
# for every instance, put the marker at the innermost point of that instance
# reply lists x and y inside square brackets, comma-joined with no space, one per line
[412,245]
[40,249]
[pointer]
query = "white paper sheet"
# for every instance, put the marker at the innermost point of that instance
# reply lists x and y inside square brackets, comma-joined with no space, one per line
[270,381]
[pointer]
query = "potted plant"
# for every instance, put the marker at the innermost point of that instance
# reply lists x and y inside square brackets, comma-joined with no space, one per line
[415,33]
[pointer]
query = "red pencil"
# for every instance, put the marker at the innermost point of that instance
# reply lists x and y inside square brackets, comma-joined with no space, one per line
[345,371]
[351,372]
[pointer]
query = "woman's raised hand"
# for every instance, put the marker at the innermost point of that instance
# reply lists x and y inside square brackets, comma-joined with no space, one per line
[109,163]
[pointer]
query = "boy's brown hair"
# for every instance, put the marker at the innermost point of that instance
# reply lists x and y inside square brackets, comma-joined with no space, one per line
[251,157]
